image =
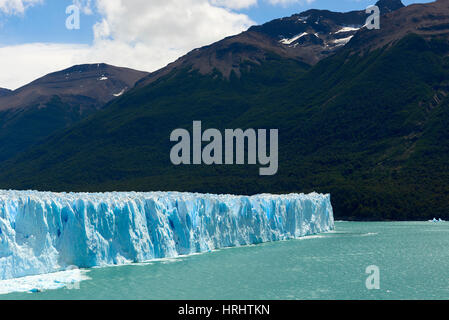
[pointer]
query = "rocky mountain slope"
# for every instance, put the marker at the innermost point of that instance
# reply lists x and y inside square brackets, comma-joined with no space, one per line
[4,92]
[430,21]
[55,101]
[307,37]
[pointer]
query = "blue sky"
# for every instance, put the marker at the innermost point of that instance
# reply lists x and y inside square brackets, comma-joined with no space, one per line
[142,34]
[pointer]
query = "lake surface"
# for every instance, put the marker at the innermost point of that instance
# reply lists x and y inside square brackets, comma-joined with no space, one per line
[412,257]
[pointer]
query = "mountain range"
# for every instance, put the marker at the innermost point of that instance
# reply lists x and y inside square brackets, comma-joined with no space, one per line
[362,114]
[306,37]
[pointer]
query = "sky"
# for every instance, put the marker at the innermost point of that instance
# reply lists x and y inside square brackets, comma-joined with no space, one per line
[140,34]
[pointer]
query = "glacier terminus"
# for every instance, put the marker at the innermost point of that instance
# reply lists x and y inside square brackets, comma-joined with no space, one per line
[45,232]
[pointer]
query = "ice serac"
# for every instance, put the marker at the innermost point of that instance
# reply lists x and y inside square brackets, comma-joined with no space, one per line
[44,232]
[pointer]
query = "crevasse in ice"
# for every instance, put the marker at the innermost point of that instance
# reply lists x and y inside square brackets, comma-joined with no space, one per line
[43,232]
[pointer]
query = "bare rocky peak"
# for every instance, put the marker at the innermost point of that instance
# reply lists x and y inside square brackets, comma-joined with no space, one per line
[387,6]
[94,83]
[430,20]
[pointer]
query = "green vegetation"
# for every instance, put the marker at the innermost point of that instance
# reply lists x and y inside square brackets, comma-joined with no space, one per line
[40,121]
[369,129]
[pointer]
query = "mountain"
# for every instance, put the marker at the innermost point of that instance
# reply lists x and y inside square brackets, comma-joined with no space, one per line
[367,124]
[307,37]
[429,21]
[55,101]
[315,34]
[4,92]
[387,6]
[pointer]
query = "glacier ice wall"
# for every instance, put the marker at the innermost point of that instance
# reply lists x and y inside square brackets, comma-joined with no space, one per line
[43,232]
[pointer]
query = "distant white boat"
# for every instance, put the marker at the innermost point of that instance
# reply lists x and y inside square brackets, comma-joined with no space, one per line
[436,221]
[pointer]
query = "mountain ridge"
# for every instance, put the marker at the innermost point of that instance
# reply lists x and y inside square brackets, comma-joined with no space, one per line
[430,21]
[4,92]
[307,37]
[55,101]
[98,81]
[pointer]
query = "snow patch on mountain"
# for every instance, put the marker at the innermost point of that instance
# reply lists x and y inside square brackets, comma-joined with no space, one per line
[347,29]
[119,94]
[343,41]
[295,38]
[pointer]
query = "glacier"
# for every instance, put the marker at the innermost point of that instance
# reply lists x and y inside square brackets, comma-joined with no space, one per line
[46,232]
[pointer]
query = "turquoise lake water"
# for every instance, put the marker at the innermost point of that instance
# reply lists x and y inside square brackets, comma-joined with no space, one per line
[412,257]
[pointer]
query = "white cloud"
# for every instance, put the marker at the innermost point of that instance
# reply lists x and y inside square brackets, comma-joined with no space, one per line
[177,24]
[16,6]
[84,5]
[22,64]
